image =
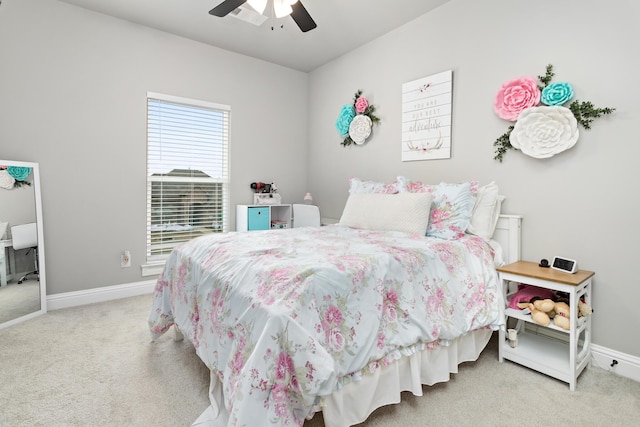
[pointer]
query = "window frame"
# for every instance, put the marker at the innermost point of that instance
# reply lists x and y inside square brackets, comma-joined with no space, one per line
[155,263]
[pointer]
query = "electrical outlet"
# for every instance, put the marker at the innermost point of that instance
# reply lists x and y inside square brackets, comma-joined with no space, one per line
[125,259]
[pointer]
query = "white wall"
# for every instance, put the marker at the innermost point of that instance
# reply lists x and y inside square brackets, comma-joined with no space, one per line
[582,203]
[73,87]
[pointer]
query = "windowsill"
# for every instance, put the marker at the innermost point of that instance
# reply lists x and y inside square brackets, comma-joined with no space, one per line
[152,269]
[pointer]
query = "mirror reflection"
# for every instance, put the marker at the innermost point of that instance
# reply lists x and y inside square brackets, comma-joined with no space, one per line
[22,287]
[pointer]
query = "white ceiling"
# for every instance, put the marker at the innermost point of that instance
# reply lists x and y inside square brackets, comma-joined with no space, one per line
[343,25]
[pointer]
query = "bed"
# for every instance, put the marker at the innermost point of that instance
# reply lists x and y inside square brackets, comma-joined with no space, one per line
[340,318]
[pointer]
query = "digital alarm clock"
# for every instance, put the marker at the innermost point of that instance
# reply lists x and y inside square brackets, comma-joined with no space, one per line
[564,264]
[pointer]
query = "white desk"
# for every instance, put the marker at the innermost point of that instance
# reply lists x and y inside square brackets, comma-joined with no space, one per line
[6,246]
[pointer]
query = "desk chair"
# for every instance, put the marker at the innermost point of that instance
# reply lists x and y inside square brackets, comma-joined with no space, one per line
[25,236]
[306,216]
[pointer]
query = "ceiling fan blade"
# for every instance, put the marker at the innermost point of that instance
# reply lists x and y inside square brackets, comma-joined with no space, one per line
[302,17]
[226,7]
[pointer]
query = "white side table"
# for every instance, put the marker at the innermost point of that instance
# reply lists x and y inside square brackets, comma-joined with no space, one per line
[547,349]
[262,217]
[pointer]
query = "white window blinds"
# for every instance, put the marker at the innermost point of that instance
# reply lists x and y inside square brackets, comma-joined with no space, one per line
[187,171]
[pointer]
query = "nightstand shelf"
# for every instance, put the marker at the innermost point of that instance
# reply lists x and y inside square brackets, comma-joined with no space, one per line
[518,314]
[560,353]
[541,353]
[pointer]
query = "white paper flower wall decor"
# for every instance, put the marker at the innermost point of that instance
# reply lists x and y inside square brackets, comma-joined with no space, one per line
[356,120]
[542,132]
[544,126]
[14,176]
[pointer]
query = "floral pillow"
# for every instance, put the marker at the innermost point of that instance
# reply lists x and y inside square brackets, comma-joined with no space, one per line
[405,185]
[452,205]
[451,210]
[357,186]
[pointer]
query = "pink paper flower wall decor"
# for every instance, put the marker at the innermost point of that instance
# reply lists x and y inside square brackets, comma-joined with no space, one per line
[356,120]
[516,96]
[361,105]
[544,124]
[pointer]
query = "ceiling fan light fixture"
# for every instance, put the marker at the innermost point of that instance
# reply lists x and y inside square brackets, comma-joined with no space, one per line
[282,8]
[258,5]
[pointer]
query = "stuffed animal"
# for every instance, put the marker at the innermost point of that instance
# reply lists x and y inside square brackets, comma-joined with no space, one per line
[542,311]
[563,313]
[546,305]
[584,309]
[527,294]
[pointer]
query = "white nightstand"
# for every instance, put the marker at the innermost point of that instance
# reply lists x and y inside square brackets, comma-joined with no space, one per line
[262,217]
[551,350]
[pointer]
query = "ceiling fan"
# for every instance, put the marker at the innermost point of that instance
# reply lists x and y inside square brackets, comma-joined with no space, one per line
[281,8]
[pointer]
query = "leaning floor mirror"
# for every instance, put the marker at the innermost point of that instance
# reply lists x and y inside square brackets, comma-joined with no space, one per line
[22,272]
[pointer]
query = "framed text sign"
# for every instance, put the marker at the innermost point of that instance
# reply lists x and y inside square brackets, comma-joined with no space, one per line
[426,118]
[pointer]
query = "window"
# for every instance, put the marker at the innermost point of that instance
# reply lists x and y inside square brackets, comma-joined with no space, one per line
[187,172]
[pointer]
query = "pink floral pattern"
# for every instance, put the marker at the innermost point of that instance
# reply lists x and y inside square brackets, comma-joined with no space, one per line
[361,105]
[452,205]
[285,316]
[516,96]
[356,185]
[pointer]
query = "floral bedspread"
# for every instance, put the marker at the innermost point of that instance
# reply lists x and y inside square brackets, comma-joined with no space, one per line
[287,316]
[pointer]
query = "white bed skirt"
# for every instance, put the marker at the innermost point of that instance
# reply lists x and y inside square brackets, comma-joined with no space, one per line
[357,400]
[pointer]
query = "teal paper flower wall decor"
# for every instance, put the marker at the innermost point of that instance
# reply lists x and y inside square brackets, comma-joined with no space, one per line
[14,176]
[544,124]
[356,120]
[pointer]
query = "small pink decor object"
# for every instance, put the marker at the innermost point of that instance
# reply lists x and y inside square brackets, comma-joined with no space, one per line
[516,96]
[542,132]
[361,105]
[308,198]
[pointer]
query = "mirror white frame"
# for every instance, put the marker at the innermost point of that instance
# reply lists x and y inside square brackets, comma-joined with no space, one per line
[40,230]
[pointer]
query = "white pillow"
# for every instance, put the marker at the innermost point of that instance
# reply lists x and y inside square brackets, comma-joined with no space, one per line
[407,212]
[486,211]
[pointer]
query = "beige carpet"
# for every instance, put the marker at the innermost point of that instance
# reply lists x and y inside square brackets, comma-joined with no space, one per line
[96,366]
[19,299]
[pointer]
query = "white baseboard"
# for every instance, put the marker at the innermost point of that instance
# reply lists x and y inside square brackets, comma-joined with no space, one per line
[628,366]
[91,296]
